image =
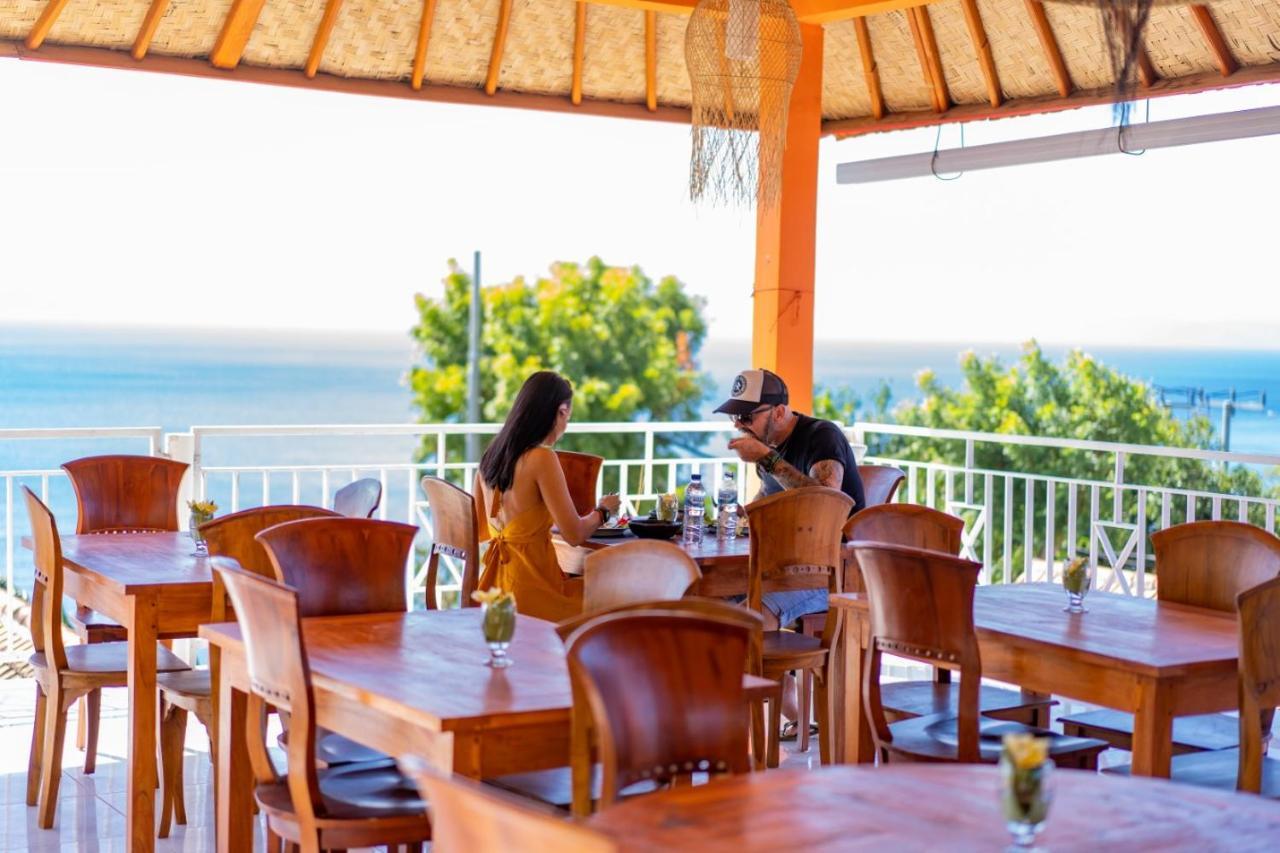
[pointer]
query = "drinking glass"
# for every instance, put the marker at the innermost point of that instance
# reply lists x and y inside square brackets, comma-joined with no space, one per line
[498,619]
[193,524]
[1025,795]
[1077,579]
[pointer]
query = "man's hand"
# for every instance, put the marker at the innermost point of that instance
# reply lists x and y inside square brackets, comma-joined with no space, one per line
[749,448]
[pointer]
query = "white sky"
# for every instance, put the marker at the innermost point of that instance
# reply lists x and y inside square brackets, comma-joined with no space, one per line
[158,200]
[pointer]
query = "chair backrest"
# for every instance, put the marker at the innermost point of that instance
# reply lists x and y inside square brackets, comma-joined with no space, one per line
[899,524]
[358,499]
[795,541]
[665,694]
[644,570]
[922,609]
[454,534]
[880,483]
[1209,563]
[120,494]
[46,594]
[712,608]
[279,676]
[581,472]
[1259,610]
[467,817]
[342,566]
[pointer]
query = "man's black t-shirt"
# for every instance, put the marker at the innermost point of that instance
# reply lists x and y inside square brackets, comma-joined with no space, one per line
[813,441]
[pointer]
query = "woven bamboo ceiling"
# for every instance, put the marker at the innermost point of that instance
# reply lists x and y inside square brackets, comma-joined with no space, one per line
[887,64]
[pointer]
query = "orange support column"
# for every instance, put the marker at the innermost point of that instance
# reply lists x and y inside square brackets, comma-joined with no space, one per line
[786,238]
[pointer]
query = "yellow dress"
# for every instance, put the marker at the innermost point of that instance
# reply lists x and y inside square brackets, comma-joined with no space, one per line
[522,560]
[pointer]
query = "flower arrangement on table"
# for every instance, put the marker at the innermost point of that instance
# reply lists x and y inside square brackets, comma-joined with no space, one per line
[1025,796]
[201,512]
[498,622]
[1077,577]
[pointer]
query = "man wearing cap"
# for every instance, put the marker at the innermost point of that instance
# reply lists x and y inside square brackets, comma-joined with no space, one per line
[790,451]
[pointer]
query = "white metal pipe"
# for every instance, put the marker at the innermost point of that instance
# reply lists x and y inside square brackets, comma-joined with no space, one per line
[1218,127]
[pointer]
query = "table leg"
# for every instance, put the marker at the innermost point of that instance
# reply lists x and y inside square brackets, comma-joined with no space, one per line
[1152,732]
[856,744]
[234,794]
[141,816]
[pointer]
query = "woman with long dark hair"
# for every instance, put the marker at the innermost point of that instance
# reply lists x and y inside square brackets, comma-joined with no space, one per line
[522,487]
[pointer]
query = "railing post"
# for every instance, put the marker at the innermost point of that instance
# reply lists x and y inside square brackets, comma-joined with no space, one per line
[11,594]
[647,487]
[1117,495]
[181,446]
[968,470]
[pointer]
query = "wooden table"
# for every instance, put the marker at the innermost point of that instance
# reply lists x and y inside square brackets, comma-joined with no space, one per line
[1155,659]
[152,585]
[412,683]
[933,807]
[724,564]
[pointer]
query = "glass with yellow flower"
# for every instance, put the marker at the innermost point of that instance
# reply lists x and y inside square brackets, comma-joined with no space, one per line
[1024,787]
[201,513]
[498,621]
[1077,578]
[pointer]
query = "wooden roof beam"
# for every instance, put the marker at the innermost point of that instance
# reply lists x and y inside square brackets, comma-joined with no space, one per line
[499,44]
[1050,44]
[323,32]
[424,39]
[930,60]
[808,11]
[1222,57]
[651,60]
[579,52]
[48,17]
[150,23]
[1147,74]
[982,47]
[870,70]
[236,30]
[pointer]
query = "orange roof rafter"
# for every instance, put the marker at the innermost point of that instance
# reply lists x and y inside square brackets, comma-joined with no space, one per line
[808,11]
[982,47]
[1217,44]
[424,39]
[579,51]
[930,60]
[1049,42]
[323,32]
[48,17]
[1146,71]
[651,60]
[155,12]
[499,44]
[870,70]
[235,33]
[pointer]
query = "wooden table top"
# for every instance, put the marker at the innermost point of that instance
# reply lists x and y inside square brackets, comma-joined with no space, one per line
[1137,634]
[934,807]
[129,562]
[428,667]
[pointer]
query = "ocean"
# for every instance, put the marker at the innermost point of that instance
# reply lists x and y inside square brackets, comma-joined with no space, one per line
[177,379]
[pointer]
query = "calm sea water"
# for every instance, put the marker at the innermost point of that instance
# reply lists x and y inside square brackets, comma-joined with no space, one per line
[174,380]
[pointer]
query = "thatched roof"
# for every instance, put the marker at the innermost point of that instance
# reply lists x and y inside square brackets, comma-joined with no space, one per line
[887,64]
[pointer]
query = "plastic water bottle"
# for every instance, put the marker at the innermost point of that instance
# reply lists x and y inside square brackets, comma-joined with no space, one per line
[727,506]
[695,497]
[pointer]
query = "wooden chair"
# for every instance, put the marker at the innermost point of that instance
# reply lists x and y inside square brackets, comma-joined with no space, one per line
[1245,767]
[922,527]
[581,473]
[358,499]
[355,805]
[468,817]
[580,788]
[664,691]
[644,570]
[342,566]
[795,544]
[922,609]
[62,674]
[880,483]
[1203,564]
[116,494]
[455,534]
[183,693]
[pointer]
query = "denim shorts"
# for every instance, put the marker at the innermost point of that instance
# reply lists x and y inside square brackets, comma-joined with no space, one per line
[791,604]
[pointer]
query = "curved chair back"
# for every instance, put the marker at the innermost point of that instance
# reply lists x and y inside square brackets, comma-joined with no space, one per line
[342,566]
[454,534]
[644,570]
[581,473]
[880,483]
[233,535]
[922,609]
[46,594]
[467,816]
[899,524]
[358,499]
[795,541]
[125,494]
[1209,563]
[665,695]
[1259,609]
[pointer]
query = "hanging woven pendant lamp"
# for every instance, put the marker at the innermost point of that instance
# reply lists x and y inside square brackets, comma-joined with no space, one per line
[743,58]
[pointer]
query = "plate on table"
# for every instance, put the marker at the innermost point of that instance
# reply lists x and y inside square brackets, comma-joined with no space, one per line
[610,532]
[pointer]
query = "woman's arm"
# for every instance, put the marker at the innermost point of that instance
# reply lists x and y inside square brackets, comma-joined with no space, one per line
[574,528]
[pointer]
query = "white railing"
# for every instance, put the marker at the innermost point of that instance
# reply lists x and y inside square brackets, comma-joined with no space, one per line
[1114,517]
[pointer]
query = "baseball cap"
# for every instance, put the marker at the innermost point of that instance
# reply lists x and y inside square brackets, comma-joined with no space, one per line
[753,389]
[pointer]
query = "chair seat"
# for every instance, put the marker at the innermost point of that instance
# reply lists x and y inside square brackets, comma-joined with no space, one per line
[922,698]
[556,786]
[334,749]
[1214,769]
[109,658]
[93,627]
[367,790]
[195,683]
[790,646]
[1190,734]
[933,738]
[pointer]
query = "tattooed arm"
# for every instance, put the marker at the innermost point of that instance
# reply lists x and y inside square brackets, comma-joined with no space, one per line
[826,472]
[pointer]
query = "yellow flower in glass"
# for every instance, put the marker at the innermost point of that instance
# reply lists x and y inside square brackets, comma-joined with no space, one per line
[1024,788]
[201,513]
[498,622]
[1077,578]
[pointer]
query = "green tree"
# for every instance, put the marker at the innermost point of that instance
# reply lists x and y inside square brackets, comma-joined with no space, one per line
[627,343]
